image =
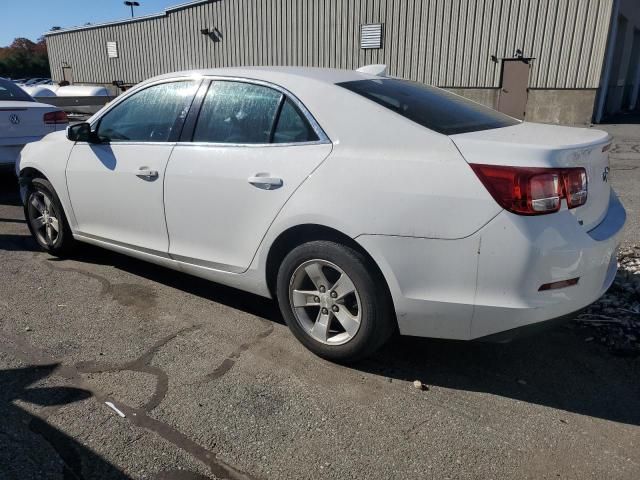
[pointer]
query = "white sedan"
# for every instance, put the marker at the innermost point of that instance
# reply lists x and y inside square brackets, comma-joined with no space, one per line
[23,120]
[364,204]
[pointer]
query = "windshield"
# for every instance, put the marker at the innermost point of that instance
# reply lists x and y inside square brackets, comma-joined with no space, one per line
[9,91]
[431,107]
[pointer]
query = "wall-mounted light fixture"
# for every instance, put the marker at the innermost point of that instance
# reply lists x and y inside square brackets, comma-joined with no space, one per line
[213,33]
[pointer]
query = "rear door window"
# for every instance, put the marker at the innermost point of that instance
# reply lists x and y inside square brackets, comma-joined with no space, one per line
[236,112]
[292,127]
[246,113]
[431,107]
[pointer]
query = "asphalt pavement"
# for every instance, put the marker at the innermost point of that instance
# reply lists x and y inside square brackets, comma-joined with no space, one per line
[206,382]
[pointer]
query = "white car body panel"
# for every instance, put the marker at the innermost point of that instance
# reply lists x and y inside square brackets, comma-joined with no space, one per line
[99,172]
[220,198]
[457,265]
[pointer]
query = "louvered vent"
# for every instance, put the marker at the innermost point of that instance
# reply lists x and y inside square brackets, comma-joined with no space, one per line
[371,35]
[112,50]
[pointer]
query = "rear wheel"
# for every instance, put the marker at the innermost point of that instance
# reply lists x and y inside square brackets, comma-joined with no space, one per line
[333,301]
[46,219]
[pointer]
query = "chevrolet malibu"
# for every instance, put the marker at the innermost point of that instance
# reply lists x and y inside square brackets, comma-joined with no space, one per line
[364,204]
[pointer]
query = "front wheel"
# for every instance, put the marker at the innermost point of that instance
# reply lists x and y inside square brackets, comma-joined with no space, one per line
[334,301]
[45,218]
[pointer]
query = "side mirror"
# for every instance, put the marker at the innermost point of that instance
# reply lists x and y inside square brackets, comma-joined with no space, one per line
[81,132]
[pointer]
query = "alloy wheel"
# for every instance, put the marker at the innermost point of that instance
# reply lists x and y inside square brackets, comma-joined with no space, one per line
[44,218]
[325,302]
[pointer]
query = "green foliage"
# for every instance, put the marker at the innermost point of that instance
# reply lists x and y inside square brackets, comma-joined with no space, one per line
[24,58]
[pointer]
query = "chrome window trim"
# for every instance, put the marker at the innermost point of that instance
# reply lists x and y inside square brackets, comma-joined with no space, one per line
[250,145]
[323,138]
[136,142]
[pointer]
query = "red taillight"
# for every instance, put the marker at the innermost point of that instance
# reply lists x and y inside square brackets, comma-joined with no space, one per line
[55,118]
[575,187]
[534,191]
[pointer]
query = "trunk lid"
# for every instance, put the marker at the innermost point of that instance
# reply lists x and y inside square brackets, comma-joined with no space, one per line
[549,146]
[23,119]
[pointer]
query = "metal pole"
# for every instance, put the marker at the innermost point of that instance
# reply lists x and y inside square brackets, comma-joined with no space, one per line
[131,5]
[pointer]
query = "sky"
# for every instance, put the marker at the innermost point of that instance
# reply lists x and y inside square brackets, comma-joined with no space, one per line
[31,18]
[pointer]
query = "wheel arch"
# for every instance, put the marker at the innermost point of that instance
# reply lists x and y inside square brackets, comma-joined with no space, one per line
[25,177]
[31,172]
[299,234]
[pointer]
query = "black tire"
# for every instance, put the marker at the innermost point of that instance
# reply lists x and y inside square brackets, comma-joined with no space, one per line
[377,318]
[63,241]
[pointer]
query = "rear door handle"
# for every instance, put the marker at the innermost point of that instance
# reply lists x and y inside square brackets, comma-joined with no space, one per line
[265,181]
[146,173]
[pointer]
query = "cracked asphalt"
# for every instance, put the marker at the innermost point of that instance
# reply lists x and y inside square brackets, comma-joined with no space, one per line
[212,385]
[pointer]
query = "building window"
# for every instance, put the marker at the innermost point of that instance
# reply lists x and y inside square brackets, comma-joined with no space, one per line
[112,49]
[371,35]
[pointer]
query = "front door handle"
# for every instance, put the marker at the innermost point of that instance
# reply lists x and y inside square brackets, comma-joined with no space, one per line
[265,181]
[146,173]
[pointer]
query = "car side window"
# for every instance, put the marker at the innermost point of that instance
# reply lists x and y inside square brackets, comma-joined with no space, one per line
[150,115]
[292,126]
[236,112]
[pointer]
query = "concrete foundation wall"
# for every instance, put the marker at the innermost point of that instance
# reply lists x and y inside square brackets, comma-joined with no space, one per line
[485,96]
[569,107]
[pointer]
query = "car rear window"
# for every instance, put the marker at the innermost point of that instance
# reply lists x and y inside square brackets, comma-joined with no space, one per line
[431,107]
[9,91]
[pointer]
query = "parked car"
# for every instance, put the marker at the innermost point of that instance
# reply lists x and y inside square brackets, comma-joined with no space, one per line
[35,81]
[23,120]
[43,81]
[364,204]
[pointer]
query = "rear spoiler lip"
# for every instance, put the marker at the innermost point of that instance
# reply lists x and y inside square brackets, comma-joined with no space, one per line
[492,152]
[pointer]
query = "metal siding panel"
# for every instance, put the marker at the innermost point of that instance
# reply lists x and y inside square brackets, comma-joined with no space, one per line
[443,42]
[462,59]
[450,39]
[187,37]
[588,42]
[544,51]
[236,35]
[566,38]
[401,36]
[576,57]
[605,9]
[472,44]
[423,29]
[437,42]
[534,38]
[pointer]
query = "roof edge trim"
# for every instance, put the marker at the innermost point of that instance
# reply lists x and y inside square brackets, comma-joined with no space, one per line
[143,18]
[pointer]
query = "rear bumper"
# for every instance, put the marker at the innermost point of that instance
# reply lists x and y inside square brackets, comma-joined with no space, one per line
[489,282]
[10,148]
[528,330]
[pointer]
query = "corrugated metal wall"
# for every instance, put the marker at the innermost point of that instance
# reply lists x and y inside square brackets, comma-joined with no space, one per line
[447,43]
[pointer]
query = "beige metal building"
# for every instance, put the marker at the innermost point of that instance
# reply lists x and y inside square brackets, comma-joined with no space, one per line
[569,61]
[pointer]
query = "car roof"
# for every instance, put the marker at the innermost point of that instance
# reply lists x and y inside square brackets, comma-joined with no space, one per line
[280,75]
